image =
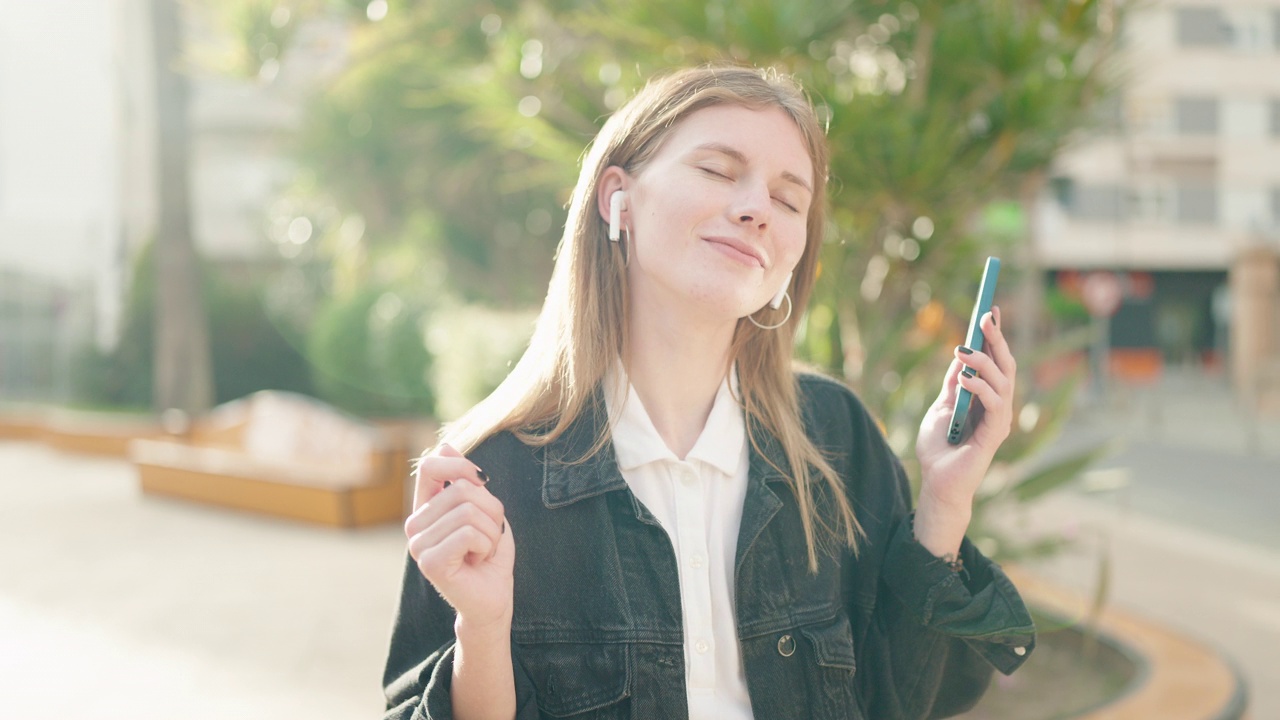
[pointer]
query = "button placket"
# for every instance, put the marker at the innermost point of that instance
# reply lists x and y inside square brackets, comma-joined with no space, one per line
[691,509]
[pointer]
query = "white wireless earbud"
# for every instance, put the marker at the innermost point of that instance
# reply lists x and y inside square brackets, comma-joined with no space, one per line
[776,302]
[615,214]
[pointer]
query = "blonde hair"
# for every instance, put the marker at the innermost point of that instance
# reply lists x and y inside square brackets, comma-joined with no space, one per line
[581,330]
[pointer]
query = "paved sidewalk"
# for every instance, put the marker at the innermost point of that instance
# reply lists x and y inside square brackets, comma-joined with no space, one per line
[1185,515]
[114,605]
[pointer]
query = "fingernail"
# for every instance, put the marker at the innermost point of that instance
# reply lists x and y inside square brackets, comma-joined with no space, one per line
[447,483]
[484,478]
[964,350]
[503,531]
[995,315]
[968,372]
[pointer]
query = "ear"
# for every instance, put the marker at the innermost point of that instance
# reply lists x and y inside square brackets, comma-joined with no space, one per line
[612,180]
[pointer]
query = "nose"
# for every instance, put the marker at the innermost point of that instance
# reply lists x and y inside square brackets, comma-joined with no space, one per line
[751,207]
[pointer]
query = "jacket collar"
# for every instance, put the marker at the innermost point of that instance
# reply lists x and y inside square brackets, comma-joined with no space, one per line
[636,441]
[567,478]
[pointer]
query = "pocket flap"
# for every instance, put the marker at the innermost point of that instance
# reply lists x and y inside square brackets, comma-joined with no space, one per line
[573,678]
[832,642]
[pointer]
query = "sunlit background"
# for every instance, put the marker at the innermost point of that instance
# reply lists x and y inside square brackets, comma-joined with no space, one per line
[280,242]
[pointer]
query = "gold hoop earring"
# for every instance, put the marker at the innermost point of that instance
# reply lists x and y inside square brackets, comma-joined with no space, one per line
[780,323]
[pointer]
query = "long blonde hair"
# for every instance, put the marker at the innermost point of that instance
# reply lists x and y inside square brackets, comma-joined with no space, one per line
[581,330]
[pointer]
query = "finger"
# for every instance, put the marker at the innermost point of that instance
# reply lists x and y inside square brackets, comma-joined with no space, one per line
[982,364]
[995,407]
[477,476]
[435,470]
[464,515]
[439,561]
[998,345]
[949,382]
[446,499]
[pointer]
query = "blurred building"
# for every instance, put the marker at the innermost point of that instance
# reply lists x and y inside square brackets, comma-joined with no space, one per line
[1179,194]
[78,167]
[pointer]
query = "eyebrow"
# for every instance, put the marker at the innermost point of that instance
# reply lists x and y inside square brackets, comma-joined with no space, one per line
[738,156]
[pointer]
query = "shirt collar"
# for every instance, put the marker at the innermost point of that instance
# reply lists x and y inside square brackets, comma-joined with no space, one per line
[636,441]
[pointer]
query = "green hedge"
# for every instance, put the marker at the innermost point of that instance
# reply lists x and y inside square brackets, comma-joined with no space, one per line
[370,355]
[250,351]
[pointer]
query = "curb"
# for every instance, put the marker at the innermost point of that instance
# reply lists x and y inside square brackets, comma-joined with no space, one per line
[1179,678]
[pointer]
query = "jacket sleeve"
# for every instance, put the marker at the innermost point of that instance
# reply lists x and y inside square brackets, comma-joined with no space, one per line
[419,668]
[929,637]
[935,638]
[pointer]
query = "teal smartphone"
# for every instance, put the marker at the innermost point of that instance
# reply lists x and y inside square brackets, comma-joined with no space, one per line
[959,428]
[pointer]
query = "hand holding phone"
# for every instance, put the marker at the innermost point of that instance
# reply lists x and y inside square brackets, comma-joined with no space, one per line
[959,428]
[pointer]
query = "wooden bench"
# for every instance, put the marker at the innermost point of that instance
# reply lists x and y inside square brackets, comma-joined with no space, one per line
[284,455]
[78,431]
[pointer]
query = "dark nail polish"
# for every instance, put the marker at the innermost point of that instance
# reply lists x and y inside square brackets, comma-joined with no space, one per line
[968,372]
[964,350]
[995,316]
[447,483]
[484,477]
[504,528]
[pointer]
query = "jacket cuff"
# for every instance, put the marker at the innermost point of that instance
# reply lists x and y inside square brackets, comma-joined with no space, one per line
[985,610]
[437,700]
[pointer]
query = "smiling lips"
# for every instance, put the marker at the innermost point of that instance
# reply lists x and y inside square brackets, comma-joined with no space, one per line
[738,250]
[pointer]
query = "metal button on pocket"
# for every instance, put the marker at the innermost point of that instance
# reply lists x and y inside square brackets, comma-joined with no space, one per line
[786,646]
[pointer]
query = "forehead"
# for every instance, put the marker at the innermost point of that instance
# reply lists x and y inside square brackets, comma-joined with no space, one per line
[768,136]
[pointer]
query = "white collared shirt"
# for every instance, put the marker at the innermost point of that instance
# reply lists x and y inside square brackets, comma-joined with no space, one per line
[698,501]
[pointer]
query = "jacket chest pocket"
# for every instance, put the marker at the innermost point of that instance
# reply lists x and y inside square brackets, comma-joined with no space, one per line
[579,680]
[805,670]
[832,643]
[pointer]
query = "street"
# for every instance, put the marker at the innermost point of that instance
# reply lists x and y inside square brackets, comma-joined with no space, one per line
[1185,512]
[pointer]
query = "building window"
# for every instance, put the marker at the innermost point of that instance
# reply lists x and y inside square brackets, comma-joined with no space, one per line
[1108,113]
[1196,115]
[1197,202]
[1202,26]
[1096,203]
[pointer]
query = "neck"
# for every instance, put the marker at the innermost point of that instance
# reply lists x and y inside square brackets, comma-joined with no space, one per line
[676,366]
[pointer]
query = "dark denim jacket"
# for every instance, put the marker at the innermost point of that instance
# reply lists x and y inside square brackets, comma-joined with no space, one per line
[889,633]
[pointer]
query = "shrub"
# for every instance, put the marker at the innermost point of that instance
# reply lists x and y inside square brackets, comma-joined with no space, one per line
[369,354]
[250,351]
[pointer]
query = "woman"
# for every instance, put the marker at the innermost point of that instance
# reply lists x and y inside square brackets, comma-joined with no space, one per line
[656,517]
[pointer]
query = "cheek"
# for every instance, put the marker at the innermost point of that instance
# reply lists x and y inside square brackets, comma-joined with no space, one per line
[792,244]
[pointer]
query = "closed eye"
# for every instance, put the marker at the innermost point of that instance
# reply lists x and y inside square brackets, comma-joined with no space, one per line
[787,205]
[714,173]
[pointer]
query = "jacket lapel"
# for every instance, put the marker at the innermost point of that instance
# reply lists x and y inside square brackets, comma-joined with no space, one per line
[567,477]
[761,502]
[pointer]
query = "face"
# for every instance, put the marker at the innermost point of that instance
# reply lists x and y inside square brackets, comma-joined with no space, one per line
[718,214]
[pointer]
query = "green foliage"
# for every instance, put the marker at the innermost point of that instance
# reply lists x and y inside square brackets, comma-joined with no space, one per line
[475,348]
[250,351]
[457,128]
[370,356]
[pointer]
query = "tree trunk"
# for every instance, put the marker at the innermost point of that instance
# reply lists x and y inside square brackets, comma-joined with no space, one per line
[183,377]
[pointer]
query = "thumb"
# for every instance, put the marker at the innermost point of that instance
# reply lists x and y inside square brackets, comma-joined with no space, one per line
[447,450]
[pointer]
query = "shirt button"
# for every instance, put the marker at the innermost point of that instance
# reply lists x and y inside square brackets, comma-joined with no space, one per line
[1019,651]
[702,647]
[786,646]
[687,477]
[695,561]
